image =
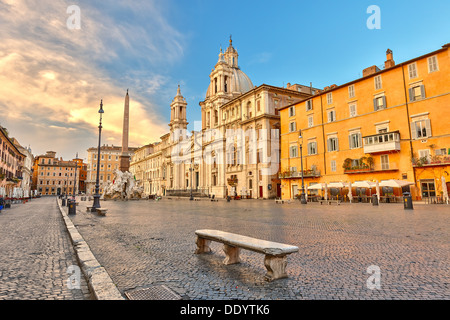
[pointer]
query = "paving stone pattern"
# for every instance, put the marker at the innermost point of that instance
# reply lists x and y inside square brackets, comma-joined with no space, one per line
[147,243]
[35,254]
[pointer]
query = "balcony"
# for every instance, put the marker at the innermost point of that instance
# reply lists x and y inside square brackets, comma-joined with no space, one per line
[382,142]
[391,166]
[311,173]
[433,161]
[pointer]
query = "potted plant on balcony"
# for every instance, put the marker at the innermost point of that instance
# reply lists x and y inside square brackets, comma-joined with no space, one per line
[370,162]
[347,164]
[435,159]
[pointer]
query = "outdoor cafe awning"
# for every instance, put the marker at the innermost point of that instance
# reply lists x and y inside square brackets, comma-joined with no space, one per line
[395,183]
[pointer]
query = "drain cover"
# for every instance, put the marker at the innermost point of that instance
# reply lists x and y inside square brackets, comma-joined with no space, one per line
[152,293]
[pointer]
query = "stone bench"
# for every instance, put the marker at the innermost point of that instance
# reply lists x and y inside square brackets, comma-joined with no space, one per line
[101,211]
[275,259]
[282,201]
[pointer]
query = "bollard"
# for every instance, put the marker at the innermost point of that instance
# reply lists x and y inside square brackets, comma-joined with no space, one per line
[72,206]
[63,202]
[407,201]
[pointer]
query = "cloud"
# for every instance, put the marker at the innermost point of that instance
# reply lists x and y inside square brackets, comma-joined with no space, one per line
[52,79]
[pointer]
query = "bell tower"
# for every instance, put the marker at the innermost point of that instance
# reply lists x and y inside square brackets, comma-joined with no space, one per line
[178,120]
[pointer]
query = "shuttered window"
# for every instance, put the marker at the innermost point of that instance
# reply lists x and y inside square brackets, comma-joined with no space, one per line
[432,64]
[416,93]
[332,144]
[379,103]
[292,127]
[378,82]
[293,152]
[421,129]
[312,148]
[412,70]
[355,140]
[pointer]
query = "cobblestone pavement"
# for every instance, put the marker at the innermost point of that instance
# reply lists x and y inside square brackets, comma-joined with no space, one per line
[35,253]
[145,243]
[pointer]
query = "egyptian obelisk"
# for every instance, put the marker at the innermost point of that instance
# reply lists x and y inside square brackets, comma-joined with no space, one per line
[124,157]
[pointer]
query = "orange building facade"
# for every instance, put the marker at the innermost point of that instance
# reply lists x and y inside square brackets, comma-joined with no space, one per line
[392,123]
[53,176]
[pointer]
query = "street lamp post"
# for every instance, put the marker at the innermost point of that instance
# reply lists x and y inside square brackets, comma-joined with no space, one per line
[191,169]
[302,195]
[75,181]
[96,203]
[73,204]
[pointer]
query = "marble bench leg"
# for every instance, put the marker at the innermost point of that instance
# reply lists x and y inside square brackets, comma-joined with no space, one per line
[202,245]
[276,267]
[232,254]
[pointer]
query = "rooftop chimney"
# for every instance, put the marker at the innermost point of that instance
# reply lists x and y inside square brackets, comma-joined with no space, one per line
[389,63]
[370,70]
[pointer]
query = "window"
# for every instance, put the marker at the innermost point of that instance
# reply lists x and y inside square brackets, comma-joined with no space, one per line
[416,93]
[412,70]
[330,98]
[351,91]
[441,152]
[293,152]
[352,109]
[355,140]
[258,105]
[432,64]
[384,162]
[379,103]
[312,148]
[378,83]
[310,121]
[421,129]
[292,127]
[424,154]
[333,165]
[331,115]
[332,144]
[291,111]
[309,106]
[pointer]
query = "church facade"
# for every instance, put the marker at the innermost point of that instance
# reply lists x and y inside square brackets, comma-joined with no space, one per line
[235,152]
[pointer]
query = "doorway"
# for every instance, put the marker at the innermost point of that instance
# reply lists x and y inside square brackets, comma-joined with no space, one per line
[428,188]
[294,191]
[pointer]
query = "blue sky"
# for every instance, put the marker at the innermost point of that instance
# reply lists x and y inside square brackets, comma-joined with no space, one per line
[52,78]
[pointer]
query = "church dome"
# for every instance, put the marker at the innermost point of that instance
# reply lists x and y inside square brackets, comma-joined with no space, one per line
[227,65]
[241,82]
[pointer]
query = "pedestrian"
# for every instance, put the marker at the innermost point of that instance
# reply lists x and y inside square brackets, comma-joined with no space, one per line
[2,202]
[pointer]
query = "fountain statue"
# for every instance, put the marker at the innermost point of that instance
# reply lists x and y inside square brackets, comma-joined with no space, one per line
[123,187]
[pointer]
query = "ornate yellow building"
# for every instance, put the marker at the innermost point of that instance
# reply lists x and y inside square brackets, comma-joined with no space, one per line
[392,123]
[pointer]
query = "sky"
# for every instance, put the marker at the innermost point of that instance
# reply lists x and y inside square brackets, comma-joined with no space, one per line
[57,63]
